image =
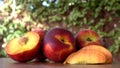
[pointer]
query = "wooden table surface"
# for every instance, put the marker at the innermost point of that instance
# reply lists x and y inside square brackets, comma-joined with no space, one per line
[8,63]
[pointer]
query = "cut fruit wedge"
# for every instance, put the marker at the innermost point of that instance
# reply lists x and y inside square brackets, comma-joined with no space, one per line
[92,54]
[86,57]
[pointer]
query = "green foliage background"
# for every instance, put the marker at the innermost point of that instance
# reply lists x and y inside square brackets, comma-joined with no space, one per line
[103,16]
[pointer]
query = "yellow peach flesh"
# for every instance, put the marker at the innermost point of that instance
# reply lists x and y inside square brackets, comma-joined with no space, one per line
[100,48]
[85,57]
[14,47]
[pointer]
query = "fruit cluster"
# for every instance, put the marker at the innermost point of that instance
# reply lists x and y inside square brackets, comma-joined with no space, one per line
[59,45]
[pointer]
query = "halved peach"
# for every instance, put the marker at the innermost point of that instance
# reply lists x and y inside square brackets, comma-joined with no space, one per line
[25,48]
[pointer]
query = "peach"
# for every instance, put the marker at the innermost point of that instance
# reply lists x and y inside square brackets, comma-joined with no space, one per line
[86,57]
[100,48]
[25,48]
[92,54]
[41,33]
[87,37]
[58,44]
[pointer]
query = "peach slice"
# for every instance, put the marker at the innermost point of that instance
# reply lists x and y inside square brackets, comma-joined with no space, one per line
[100,48]
[87,56]
[92,54]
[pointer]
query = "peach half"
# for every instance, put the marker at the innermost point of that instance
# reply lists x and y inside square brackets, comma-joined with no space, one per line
[25,48]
